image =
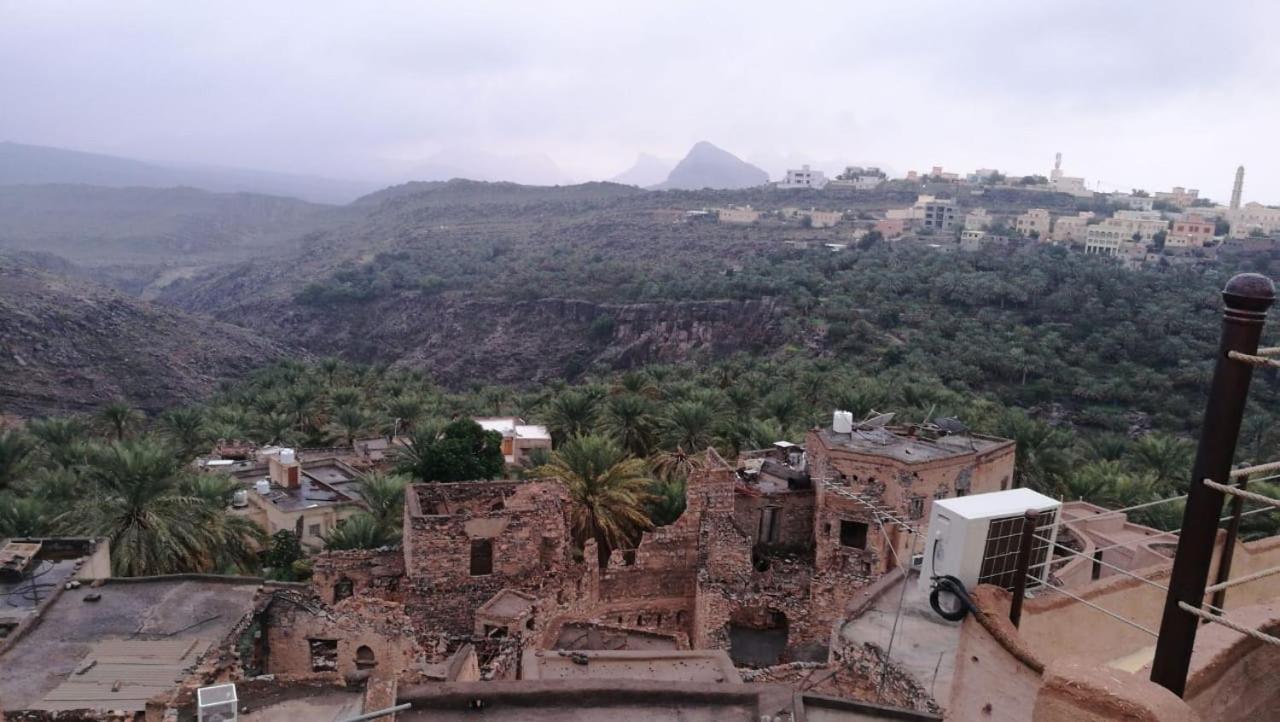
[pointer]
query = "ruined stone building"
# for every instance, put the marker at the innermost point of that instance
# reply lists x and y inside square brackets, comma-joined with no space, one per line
[765,559]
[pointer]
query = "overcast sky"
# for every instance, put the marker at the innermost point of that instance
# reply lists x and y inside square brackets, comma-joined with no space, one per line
[1145,94]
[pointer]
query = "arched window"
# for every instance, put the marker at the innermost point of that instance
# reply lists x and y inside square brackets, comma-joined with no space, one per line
[365,658]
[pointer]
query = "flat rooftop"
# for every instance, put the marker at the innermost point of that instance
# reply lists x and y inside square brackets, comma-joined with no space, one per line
[181,611]
[313,492]
[895,442]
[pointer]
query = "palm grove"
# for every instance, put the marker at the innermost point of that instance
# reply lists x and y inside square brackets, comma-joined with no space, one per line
[1097,373]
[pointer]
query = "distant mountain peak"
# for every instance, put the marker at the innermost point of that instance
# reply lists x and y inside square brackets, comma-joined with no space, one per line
[648,170]
[709,166]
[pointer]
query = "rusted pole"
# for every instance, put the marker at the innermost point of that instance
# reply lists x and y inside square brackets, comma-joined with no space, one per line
[1247,298]
[1024,565]
[1229,547]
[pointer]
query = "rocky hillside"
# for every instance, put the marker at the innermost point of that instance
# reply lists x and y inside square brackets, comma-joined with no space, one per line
[96,225]
[70,345]
[462,341]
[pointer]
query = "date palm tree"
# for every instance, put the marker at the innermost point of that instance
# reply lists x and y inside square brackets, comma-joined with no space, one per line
[629,419]
[154,522]
[608,492]
[383,494]
[572,413]
[185,429]
[689,425]
[119,419]
[350,422]
[361,531]
[15,455]
[1167,458]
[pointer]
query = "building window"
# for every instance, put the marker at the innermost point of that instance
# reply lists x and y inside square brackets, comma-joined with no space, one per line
[313,530]
[343,589]
[365,658]
[324,655]
[481,557]
[915,507]
[768,531]
[853,534]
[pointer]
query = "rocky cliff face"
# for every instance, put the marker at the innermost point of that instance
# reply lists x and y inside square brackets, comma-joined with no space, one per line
[70,346]
[462,341]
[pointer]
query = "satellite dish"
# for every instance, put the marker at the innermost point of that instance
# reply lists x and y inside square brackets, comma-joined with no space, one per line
[951,425]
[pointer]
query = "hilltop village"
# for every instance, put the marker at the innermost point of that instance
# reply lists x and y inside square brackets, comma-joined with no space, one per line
[1137,228]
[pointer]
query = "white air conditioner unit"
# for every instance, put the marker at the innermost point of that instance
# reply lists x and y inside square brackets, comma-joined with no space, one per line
[976,538]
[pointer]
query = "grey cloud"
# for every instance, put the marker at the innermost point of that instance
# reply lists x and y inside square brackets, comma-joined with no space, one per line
[1149,93]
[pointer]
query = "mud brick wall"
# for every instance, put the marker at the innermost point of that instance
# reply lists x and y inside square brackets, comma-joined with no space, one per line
[793,518]
[523,522]
[353,623]
[373,573]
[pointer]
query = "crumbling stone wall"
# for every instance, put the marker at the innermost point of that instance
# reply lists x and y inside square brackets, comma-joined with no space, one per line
[372,573]
[521,524]
[368,634]
[792,518]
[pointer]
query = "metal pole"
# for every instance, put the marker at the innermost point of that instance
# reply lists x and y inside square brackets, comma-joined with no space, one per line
[1024,565]
[1247,298]
[1229,547]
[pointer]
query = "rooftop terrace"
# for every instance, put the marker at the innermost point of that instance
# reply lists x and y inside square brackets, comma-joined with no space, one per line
[910,445]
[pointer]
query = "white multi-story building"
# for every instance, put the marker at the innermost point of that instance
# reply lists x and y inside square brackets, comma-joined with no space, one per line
[804,178]
[1132,202]
[859,178]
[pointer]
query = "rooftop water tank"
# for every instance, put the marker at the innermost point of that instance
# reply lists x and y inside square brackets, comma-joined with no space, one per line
[263,486]
[842,422]
[286,456]
[240,499]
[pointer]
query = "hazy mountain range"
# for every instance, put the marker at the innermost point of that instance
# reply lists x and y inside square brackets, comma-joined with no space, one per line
[705,166]
[34,164]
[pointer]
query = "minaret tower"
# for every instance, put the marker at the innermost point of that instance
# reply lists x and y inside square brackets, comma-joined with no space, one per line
[1237,189]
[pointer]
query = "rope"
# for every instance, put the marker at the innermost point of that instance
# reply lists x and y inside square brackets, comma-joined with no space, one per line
[1132,508]
[1242,493]
[1242,580]
[1096,560]
[1269,351]
[1256,361]
[1220,619]
[1259,469]
[1228,517]
[1107,612]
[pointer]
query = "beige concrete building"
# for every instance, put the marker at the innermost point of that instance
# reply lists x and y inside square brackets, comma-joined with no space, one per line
[1034,223]
[1254,217]
[735,214]
[1178,196]
[892,227]
[1107,237]
[284,493]
[1071,229]
[977,220]
[1190,231]
[518,438]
